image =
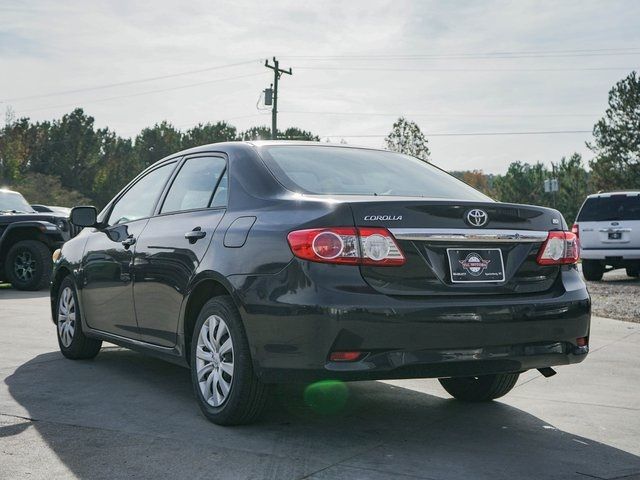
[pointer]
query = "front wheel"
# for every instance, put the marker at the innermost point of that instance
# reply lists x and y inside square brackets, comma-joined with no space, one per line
[633,272]
[480,389]
[224,383]
[73,343]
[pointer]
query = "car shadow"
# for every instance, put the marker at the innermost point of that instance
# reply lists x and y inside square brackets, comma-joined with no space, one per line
[139,414]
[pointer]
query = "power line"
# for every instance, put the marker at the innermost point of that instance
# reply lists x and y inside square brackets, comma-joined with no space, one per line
[392,69]
[127,82]
[438,115]
[470,134]
[148,92]
[480,55]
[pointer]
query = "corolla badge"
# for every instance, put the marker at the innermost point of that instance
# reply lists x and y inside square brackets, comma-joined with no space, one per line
[477,217]
[474,264]
[392,218]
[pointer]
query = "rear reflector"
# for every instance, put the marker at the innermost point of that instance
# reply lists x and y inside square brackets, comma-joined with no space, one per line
[560,248]
[344,356]
[347,245]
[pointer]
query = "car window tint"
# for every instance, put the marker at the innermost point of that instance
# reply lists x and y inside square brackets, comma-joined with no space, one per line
[193,186]
[220,197]
[355,171]
[139,200]
[615,207]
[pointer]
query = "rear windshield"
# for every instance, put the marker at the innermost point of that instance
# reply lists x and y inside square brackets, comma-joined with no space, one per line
[615,207]
[351,171]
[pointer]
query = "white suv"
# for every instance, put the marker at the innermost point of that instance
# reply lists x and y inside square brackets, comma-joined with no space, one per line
[608,225]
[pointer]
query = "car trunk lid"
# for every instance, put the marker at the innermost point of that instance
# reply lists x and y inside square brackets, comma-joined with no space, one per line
[460,247]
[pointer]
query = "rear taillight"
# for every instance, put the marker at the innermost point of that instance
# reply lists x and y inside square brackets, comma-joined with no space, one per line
[560,248]
[576,230]
[347,245]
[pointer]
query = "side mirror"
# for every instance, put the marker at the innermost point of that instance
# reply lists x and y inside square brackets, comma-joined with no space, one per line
[84,216]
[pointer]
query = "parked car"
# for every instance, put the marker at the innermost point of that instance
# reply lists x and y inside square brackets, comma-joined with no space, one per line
[50,208]
[608,225]
[27,240]
[265,262]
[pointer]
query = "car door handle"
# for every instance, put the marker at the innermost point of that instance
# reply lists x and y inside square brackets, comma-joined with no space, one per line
[194,235]
[127,242]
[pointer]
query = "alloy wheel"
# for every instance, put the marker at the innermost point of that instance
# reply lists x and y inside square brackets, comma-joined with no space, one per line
[66,317]
[214,360]
[24,266]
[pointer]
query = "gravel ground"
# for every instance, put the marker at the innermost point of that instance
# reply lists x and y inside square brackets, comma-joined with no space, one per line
[616,296]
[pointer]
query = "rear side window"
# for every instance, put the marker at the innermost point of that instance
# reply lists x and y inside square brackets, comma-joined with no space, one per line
[194,184]
[352,171]
[615,207]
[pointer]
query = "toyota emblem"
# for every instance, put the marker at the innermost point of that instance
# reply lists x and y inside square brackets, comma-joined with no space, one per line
[477,217]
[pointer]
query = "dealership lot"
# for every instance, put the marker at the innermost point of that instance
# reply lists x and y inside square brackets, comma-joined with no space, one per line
[127,415]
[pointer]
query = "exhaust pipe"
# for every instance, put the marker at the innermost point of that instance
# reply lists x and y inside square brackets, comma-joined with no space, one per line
[547,372]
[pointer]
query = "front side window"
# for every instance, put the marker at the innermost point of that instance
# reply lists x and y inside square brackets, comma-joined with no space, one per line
[194,184]
[139,200]
[354,171]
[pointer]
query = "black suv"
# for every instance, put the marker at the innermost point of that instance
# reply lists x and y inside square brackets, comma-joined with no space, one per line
[27,240]
[256,263]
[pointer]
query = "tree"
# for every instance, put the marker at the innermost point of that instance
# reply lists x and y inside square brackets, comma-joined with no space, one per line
[155,143]
[523,183]
[477,179]
[203,134]
[256,133]
[573,185]
[294,133]
[406,137]
[616,142]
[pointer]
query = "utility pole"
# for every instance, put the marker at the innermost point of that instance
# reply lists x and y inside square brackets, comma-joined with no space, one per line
[277,73]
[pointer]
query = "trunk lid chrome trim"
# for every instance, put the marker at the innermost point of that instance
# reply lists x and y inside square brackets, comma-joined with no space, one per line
[468,235]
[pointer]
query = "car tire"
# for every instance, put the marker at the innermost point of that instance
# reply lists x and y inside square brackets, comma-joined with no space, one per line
[592,270]
[480,389]
[224,398]
[28,265]
[74,344]
[633,272]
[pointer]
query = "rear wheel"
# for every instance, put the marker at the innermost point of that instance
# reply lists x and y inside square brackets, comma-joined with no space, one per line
[224,383]
[480,389]
[28,265]
[592,270]
[74,344]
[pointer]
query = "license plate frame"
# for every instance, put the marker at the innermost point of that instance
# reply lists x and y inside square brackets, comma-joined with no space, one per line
[615,236]
[469,274]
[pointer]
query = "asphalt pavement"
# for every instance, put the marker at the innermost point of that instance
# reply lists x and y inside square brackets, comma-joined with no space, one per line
[125,415]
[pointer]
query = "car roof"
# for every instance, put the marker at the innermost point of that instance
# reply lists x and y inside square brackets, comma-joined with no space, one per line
[6,190]
[628,193]
[222,146]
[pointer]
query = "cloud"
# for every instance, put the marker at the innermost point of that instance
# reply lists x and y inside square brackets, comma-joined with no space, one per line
[51,47]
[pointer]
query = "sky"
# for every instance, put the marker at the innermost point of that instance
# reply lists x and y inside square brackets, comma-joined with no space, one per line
[466,72]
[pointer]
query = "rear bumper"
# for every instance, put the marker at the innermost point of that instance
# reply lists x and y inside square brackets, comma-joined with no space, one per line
[296,318]
[604,253]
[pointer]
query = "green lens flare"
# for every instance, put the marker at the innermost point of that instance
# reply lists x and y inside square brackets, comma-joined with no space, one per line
[326,397]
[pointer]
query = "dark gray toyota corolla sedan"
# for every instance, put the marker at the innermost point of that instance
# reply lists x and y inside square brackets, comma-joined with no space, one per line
[265,262]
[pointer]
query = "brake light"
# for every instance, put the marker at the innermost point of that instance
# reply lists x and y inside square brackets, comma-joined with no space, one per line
[347,245]
[560,248]
[576,230]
